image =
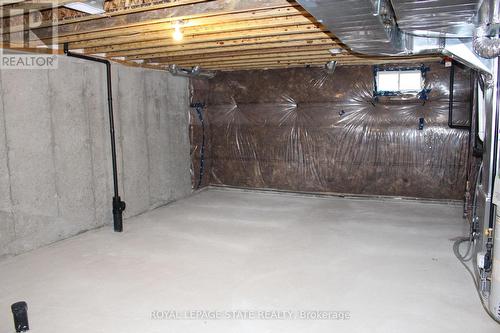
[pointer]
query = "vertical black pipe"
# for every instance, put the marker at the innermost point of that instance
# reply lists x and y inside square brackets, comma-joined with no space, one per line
[470,148]
[118,204]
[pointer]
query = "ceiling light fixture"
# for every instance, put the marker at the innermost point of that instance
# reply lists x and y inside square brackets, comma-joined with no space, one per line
[90,7]
[335,51]
[177,35]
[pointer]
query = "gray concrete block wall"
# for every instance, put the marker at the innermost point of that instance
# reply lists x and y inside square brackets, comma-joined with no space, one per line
[55,166]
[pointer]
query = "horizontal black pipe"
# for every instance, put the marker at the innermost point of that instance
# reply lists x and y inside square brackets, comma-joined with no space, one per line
[118,204]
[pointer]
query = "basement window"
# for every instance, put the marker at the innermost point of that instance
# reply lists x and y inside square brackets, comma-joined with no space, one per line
[396,82]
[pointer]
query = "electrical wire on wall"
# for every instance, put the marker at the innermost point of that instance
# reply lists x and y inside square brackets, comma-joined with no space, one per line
[199,111]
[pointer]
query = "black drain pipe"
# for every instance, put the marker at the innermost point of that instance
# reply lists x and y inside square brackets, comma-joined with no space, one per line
[118,204]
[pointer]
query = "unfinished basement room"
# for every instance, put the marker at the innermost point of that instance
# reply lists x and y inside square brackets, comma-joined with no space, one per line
[257,166]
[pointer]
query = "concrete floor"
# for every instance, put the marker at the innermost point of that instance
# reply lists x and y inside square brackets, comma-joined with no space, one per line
[389,263]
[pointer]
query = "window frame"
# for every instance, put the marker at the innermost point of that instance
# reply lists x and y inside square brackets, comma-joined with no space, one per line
[417,92]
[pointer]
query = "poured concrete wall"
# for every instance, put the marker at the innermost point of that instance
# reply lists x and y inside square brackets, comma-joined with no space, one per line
[55,166]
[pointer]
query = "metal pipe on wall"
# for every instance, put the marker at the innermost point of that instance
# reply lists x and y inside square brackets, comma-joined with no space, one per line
[494,299]
[494,225]
[118,204]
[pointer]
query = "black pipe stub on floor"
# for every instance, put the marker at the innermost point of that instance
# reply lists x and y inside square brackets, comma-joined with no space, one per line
[118,208]
[20,313]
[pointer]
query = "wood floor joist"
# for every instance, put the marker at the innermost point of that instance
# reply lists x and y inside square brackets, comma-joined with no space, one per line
[221,38]
[324,54]
[324,58]
[288,45]
[102,37]
[216,35]
[344,62]
[177,11]
[41,21]
[256,42]
[236,55]
[164,31]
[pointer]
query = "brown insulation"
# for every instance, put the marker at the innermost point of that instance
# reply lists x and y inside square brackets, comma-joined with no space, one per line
[308,129]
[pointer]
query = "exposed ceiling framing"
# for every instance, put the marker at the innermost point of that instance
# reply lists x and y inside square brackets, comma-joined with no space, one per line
[217,34]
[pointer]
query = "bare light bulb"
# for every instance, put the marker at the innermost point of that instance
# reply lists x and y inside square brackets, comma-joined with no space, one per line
[177,35]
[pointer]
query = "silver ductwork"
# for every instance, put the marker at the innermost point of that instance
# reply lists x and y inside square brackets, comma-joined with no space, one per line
[195,71]
[370,27]
[409,27]
[484,46]
[365,26]
[436,18]
[489,18]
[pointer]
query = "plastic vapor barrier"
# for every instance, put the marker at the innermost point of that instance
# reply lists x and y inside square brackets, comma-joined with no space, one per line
[318,130]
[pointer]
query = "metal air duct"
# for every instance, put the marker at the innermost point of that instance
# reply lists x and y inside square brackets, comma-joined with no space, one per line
[409,27]
[196,71]
[489,18]
[365,26]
